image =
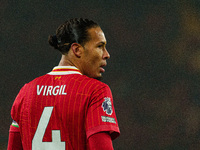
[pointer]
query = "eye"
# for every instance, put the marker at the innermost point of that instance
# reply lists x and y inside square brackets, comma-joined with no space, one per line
[100,46]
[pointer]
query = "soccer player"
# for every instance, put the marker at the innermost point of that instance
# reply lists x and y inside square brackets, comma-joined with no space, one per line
[68,108]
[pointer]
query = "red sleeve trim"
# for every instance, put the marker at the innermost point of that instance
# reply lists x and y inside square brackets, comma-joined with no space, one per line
[99,141]
[112,130]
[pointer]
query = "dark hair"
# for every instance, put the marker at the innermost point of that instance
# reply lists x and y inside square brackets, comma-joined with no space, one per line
[72,31]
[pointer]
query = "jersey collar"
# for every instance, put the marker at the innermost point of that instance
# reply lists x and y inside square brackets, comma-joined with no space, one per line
[64,70]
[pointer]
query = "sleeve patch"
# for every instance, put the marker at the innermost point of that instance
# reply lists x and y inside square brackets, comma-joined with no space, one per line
[15,124]
[107,106]
[108,119]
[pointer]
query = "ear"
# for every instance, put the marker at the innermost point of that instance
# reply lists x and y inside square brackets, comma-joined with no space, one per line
[77,49]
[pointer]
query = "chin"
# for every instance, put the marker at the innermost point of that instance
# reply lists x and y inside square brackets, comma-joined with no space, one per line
[97,76]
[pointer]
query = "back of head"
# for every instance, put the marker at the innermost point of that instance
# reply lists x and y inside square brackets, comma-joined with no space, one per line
[71,31]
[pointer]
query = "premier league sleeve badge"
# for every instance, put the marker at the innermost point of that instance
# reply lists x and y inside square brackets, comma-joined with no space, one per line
[107,106]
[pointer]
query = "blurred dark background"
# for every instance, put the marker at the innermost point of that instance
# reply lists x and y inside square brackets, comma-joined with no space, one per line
[154,70]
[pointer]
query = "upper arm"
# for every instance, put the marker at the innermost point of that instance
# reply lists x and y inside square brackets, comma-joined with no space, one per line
[17,104]
[101,115]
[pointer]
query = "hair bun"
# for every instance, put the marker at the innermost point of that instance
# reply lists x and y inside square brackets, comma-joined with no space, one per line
[53,41]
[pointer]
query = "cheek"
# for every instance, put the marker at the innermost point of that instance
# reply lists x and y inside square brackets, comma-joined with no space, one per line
[95,58]
[96,61]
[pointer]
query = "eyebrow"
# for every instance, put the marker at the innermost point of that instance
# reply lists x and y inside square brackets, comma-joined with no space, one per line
[104,43]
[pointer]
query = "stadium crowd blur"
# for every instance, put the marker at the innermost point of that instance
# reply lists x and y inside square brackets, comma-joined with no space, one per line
[154,70]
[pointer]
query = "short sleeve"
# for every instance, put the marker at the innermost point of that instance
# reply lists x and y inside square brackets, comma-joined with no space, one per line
[101,113]
[16,107]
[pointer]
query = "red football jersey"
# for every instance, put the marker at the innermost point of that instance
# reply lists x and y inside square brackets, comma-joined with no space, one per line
[62,109]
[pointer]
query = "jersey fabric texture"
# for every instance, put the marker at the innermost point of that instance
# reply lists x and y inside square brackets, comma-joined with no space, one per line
[65,107]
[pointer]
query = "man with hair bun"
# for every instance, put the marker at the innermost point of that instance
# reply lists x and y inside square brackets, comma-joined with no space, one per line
[68,108]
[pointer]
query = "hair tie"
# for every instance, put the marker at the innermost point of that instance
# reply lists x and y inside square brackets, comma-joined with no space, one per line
[54,38]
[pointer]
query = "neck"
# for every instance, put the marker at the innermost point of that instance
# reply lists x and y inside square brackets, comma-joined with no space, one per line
[65,61]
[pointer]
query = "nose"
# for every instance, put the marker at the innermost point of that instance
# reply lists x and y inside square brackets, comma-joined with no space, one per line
[106,54]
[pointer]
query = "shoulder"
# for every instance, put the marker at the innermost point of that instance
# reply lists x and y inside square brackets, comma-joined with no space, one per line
[28,85]
[97,87]
[36,80]
[95,82]
[88,83]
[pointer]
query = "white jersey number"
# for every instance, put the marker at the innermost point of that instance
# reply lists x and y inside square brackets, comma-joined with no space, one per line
[37,143]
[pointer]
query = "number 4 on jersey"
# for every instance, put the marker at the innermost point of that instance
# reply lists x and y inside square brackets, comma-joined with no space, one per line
[37,143]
